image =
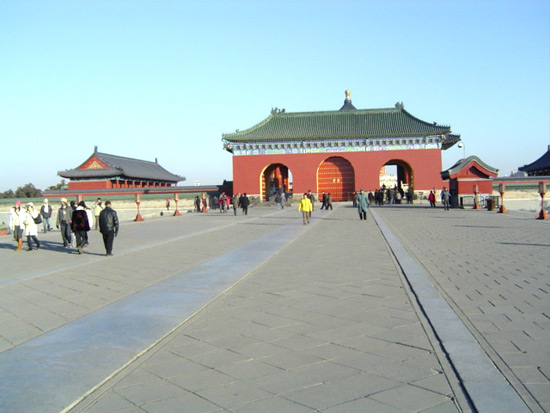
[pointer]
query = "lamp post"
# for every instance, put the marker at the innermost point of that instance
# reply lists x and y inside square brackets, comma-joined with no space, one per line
[542,192]
[502,209]
[476,191]
[461,145]
[176,199]
[138,201]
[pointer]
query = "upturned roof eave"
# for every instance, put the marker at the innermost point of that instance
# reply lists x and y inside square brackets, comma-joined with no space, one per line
[340,136]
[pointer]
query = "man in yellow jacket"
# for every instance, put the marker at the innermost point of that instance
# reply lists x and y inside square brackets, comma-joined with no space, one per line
[306,208]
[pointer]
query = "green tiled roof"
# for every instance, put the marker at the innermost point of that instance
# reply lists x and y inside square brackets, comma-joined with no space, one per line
[366,123]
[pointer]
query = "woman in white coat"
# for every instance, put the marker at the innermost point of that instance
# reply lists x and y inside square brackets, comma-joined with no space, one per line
[31,228]
[17,223]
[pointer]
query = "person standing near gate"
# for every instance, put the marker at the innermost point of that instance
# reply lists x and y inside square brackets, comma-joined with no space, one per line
[445,198]
[362,204]
[108,226]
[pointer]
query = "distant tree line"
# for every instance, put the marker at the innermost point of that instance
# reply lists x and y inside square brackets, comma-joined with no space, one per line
[30,191]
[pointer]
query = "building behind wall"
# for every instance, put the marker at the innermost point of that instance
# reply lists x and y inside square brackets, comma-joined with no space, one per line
[337,151]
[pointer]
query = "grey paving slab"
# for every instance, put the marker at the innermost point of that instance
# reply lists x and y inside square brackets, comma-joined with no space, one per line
[492,270]
[90,348]
[326,323]
[292,321]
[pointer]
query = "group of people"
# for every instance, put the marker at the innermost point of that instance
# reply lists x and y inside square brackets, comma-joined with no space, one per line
[223,203]
[71,219]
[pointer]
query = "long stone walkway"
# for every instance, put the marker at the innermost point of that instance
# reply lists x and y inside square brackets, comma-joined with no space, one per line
[212,312]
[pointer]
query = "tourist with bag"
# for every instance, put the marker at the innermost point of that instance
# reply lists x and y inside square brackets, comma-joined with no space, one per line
[31,226]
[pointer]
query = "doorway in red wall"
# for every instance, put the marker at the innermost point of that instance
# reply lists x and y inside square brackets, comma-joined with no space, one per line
[336,175]
[276,178]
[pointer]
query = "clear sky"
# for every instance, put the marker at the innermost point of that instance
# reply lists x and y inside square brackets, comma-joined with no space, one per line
[164,79]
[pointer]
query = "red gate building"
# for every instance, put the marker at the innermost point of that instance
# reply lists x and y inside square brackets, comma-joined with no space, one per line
[337,151]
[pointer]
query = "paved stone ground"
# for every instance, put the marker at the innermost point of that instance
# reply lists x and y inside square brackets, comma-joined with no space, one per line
[326,324]
[494,269]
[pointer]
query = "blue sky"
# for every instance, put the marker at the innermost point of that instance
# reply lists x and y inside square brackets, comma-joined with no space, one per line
[164,79]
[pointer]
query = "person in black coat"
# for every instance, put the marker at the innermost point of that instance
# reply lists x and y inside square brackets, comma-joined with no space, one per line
[108,226]
[243,203]
[80,225]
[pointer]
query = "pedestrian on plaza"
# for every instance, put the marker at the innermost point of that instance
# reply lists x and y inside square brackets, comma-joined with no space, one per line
[312,199]
[445,198]
[409,196]
[46,212]
[283,199]
[223,203]
[32,219]
[398,197]
[80,224]
[17,223]
[431,198]
[98,207]
[197,204]
[324,201]
[305,206]
[354,199]
[235,203]
[204,202]
[64,215]
[168,204]
[362,204]
[108,226]
[329,201]
[244,202]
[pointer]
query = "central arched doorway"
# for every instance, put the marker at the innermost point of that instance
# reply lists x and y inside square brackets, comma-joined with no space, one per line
[336,175]
[276,178]
[402,174]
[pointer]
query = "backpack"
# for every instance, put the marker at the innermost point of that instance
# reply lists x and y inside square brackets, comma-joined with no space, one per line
[38,219]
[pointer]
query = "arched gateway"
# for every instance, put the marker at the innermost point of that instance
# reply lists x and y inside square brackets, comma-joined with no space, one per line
[275,179]
[336,175]
[322,147]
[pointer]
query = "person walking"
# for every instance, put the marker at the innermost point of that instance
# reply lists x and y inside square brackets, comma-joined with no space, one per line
[445,198]
[362,204]
[98,207]
[17,223]
[80,225]
[324,201]
[168,204]
[312,199]
[64,215]
[197,204]
[243,203]
[31,225]
[431,198]
[46,212]
[223,203]
[306,207]
[235,203]
[329,201]
[108,226]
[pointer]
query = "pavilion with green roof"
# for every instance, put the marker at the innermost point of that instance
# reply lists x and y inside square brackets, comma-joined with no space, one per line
[337,151]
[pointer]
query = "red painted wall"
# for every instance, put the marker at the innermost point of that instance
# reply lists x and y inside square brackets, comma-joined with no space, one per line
[425,165]
[74,185]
